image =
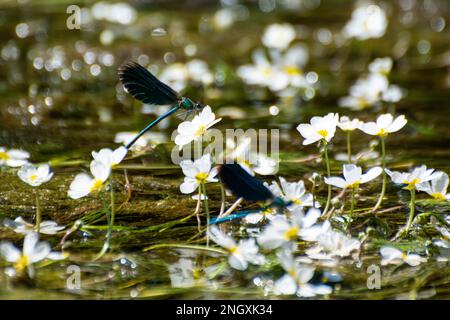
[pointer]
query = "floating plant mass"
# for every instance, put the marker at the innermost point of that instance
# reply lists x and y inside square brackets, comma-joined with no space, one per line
[185,209]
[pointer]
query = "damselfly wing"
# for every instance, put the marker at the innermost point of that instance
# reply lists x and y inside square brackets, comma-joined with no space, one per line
[242,184]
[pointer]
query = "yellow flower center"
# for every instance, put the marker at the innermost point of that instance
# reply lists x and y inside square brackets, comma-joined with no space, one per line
[438,196]
[266,71]
[354,185]
[292,273]
[323,133]
[200,130]
[196,273]
[404,255]
[291,233]
[382,133]
[201,177]
[292,70]
[243,161]
[97,185]
[33,177]
[233,249]
[22,263]
[297,201]
[363,103]
[4,156]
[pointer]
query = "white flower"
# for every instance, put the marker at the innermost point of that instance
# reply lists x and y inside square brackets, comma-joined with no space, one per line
[13,157]
[198,71]
[414,179]
[120,12]
[264,165]
[345,124]
[365,92]
[257,217]
[296,279]
[394,256]
[33,251]
[381,65]
[284,232]
[35,176]
[384,125]
[333,244]
[290,66]
[246,251]
[83,184]
[278,36]
[224,18]
[189,131]
[251,161]
[293,192]
[185,273]
[367,21]
[197,172]
[109,157]
[392,94]
[149,138]
[21,226]
[438,186]
[353,176]
[178,75]
[260,72]
[283,72]
[320,128]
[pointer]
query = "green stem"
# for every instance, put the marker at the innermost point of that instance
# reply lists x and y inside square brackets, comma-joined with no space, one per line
[38,213]
[412,206]
[352,206]
[110,219]
[205,201]
[313,192]
[349,148]
[327,161]
[383,173]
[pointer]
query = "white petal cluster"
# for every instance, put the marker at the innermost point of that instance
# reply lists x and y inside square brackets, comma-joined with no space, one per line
[19,225]
[197,172]
[240,254]
[35,176]
[297,278]
[278,36]
[33,251]
[414,179]
[194,130]
[353,176]
[179,75]
[384,125]
[292,192]
[319,128]
[13,157]
[394,256]
[373,88]
[368,21]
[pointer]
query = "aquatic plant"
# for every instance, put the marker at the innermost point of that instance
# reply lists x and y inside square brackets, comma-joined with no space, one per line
[35,176]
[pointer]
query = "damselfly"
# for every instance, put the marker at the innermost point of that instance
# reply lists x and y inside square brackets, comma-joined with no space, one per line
[145,87]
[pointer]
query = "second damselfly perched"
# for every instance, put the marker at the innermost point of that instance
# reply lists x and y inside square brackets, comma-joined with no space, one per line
[145,87]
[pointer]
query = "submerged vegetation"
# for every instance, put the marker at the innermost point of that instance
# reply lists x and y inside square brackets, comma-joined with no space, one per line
[353,204]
